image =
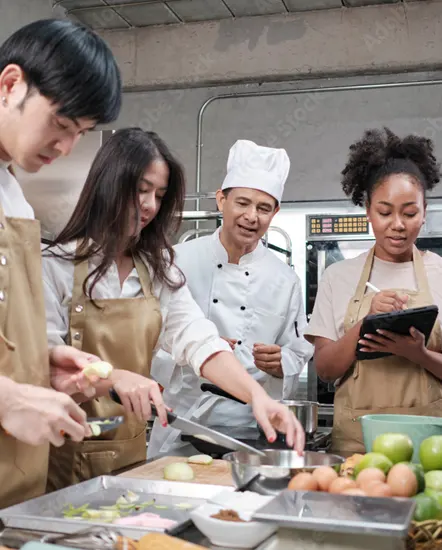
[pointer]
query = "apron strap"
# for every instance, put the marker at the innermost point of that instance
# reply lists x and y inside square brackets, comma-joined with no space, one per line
[77,316]
[421,275]
[143,274]
[354,306]
[5,277]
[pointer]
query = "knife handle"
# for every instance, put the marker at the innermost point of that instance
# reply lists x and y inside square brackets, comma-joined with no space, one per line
[218,391]
[115,397]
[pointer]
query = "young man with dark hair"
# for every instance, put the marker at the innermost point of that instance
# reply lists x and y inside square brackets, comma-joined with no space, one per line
[57,81]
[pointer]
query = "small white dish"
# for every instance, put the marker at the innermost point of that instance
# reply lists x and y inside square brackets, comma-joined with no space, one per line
[230,534]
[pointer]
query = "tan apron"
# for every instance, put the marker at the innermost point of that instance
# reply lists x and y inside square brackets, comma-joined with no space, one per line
[124,332]
[23,350]
[389,385]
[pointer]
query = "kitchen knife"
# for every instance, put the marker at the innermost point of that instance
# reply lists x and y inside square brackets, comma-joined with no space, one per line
[201,432]
[101,424]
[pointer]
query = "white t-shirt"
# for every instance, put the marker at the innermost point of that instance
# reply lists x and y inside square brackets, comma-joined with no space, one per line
[339,282]
[11,195]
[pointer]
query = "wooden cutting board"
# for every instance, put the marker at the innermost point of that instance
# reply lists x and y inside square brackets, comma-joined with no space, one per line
[217,473]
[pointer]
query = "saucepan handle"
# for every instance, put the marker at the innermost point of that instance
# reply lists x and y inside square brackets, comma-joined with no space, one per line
[218,391]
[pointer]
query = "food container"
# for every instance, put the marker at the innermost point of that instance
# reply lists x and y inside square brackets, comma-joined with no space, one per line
[273,472]
[230,534]
[417,428]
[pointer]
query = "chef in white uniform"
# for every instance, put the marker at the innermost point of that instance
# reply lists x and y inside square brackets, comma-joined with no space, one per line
[254,299]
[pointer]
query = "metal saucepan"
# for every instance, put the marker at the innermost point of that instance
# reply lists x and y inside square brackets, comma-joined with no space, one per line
[306,412]
[276,469]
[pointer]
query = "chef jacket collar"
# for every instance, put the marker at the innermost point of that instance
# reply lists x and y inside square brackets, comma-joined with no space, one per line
[222,256]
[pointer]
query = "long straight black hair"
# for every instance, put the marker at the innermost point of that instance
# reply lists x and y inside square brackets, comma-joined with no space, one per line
[102,216]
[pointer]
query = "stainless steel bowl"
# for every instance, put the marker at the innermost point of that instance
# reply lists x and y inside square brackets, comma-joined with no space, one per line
[274,471]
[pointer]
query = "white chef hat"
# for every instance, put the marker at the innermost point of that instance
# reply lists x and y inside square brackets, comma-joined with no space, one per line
[256,167]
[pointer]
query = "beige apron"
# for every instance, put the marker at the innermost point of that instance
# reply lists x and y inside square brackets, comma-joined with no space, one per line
[124,332]
[389,385]
[23,350]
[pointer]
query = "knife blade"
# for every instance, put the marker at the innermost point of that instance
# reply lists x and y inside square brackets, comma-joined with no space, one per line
[100,425]
[199,431]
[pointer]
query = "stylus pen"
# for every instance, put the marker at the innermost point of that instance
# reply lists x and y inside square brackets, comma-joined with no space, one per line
[372,287]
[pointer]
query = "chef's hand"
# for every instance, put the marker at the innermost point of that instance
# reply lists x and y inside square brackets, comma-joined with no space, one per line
[67,364]
[412,347]
[272,416]
[268,359]
[136,392]
[37,415]
[232,343]
[387,301]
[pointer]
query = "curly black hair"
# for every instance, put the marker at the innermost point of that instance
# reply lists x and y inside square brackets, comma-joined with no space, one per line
[380,153]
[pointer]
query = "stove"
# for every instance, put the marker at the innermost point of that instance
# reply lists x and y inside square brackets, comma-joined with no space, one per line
[319,442]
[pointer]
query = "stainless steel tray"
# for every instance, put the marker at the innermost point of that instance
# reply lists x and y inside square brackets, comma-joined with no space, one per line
[339,513]
[46,512]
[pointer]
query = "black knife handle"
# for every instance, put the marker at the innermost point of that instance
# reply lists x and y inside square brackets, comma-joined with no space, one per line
[115,397]
[218,391]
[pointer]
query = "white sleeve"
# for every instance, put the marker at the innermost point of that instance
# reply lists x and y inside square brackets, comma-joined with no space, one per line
[295,349]
[57,321]
[322,322]
[187,335]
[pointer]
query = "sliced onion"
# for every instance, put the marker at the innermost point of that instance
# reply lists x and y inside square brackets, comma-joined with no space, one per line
[200,459]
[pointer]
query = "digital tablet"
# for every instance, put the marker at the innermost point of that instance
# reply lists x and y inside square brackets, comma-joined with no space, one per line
[400,322]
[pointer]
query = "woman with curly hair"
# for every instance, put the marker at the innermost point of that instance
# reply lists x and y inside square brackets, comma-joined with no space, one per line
[390,177]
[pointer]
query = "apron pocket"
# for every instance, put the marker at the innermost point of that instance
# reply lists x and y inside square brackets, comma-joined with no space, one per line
[97,464]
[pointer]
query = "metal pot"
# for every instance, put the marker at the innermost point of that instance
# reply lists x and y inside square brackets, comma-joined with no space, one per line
[306,412]
[271,474]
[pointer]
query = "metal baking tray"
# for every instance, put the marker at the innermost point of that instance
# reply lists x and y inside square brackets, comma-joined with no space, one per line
[339,513]
[46,512]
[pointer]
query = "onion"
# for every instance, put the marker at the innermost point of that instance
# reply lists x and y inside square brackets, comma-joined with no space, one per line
[200,459]
[178,471]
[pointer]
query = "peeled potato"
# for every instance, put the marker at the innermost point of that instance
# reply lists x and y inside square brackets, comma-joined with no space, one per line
[342,484]
[369,475]
[100,369]
[303,482]
[324,476]
[378,489]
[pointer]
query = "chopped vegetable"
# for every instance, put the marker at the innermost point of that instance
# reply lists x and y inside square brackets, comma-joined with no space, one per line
[100,369]
[128,498]
[178,471]
[200,459]
[103,515]
[184,506]
[160,507]
[95,428]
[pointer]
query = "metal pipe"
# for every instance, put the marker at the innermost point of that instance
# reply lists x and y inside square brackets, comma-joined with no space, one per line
[348,88]
[288,241]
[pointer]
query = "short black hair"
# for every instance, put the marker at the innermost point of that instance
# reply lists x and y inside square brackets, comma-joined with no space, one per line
[68,64]
[381,153]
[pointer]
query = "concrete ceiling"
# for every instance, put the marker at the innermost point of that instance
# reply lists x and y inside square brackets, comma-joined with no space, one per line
[126,14]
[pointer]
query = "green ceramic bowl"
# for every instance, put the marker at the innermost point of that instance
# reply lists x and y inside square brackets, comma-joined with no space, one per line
[417,428]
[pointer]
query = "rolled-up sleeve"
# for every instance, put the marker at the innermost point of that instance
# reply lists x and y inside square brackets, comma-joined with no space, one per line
[187,335]
[57,321]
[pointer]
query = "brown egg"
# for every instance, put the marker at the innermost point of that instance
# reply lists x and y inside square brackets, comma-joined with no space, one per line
[355,492]
[402,481]
[369,475]
[303,482]
[378,489]
[324,475]
[341,484]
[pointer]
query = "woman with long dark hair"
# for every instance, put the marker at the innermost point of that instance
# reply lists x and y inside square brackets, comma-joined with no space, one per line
[113,291]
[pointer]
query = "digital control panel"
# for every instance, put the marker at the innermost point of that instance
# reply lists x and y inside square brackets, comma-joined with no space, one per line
[338,225]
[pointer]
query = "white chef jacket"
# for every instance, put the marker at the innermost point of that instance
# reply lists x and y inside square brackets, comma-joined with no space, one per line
[12,198]
[257,301]
[186,334]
